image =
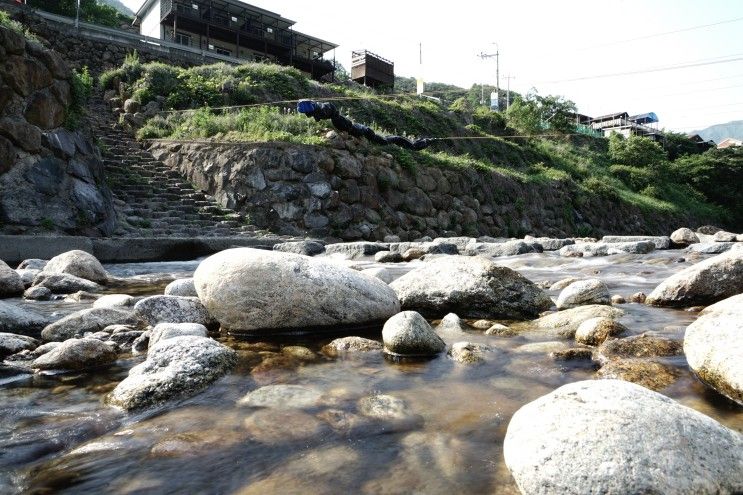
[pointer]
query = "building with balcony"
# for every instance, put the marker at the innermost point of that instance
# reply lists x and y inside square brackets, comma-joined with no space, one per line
[645,124]
[372,70]
[235,29]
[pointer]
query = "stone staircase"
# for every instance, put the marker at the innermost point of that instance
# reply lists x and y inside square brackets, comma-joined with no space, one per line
[152,199]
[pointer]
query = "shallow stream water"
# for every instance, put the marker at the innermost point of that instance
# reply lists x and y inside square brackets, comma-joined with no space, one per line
[58,436]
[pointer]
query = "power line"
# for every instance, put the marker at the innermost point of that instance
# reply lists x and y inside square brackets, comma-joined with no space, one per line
[684,65]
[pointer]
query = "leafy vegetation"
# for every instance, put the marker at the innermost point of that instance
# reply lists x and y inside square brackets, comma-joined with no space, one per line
[16,26]
[81,85]
[673,178]
[91,11]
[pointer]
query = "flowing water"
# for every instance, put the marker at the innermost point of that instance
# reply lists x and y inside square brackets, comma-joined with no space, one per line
[58,436]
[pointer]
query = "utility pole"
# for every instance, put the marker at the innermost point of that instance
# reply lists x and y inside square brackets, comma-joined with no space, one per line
[508,90]
[484,56]
[77,16]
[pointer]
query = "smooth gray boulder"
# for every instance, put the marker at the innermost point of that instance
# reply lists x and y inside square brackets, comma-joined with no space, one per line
[27,276]
[713,345]
[10,343]
[684,236]
[64,283]
[495,250]
[115,301]
[723,236]
[660,241]
[471,287]
[451,325]
[353,250]
[174,369]
[565,323]
[250,289]
[409,334]
[351,345]
[11,284]
[594,331]
[172,309]
[32,264]
[710,247]
[78,263]
[606,249]
[550,243]
[76,354]
[181,287]
[91,320]
[21,321]
[37,293]
[612,436]
[582,292]
[307,248]
[384,274]
[706,282]
[164,331]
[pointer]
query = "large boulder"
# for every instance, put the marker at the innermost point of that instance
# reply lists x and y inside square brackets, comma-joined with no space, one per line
[78,263]
[660,241]
[250,289]
[11,283]
[612,436]
[713,345]
[409,334]
[582,292]
[495,250]
[174,369]
[76,354]
[710,247]
[565,323]
[706,282]
[471,287]
[21,321]
[172,309]
[64,283]
[92,320]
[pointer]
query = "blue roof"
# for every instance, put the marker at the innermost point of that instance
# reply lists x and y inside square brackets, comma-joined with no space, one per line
[645,118]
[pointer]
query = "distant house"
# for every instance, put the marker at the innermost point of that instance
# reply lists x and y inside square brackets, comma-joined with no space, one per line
[235,29]
[729,143]
[702,144]
[644,124]
[370,69]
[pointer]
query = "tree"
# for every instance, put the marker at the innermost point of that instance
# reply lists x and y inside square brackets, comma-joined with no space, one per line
[90,11]
[636,151]
[535,114]
[677,145]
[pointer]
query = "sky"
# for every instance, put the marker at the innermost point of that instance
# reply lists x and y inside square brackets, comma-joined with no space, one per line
[603,55]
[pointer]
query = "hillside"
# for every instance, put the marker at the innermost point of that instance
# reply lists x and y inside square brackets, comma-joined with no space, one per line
[120,7]
[635,172]
[718,132]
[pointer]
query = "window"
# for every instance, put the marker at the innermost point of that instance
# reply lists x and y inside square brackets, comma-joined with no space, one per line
[222,51]
[182,39]
[269,30]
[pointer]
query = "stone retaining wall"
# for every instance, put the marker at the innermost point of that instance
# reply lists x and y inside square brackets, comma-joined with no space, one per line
[348,192]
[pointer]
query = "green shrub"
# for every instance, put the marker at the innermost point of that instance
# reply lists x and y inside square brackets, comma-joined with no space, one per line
[634,177]
[81,85]
[601,187]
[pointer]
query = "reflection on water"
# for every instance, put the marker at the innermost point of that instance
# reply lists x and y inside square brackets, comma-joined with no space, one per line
[58,436]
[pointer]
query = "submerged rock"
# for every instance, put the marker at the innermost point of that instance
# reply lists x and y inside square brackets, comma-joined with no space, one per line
[11,284]
[249,289]
[78,263]
[387,408]
[713,345]
[706,282]
[612,436]
[472,287]
[650,374]
[21,321]
[172,309]
[637,346]
[565,323]
[351,345]
[469,352]
[181,287]
[582,292]
[174,369]
[76,354]
[282,397]
[409,334]
[87,320]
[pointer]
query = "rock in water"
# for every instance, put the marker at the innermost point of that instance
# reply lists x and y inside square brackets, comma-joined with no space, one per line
[172,309]
[64,283]
[11,283]
[307,248]
[611,436]
[409,334]
[591,291]
[21,321]
[78,263]
[565,323]
[87,320]
[713,345]
[76,354]
[472,287]
[10,343]
[349,345]
[684,236]
[164,331]
[706,282]
[250,289]
[596,330]
[182,287]
[175,368]
[115,301]
[660,242]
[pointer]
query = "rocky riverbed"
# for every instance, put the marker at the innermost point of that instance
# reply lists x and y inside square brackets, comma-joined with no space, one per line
[395,367]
